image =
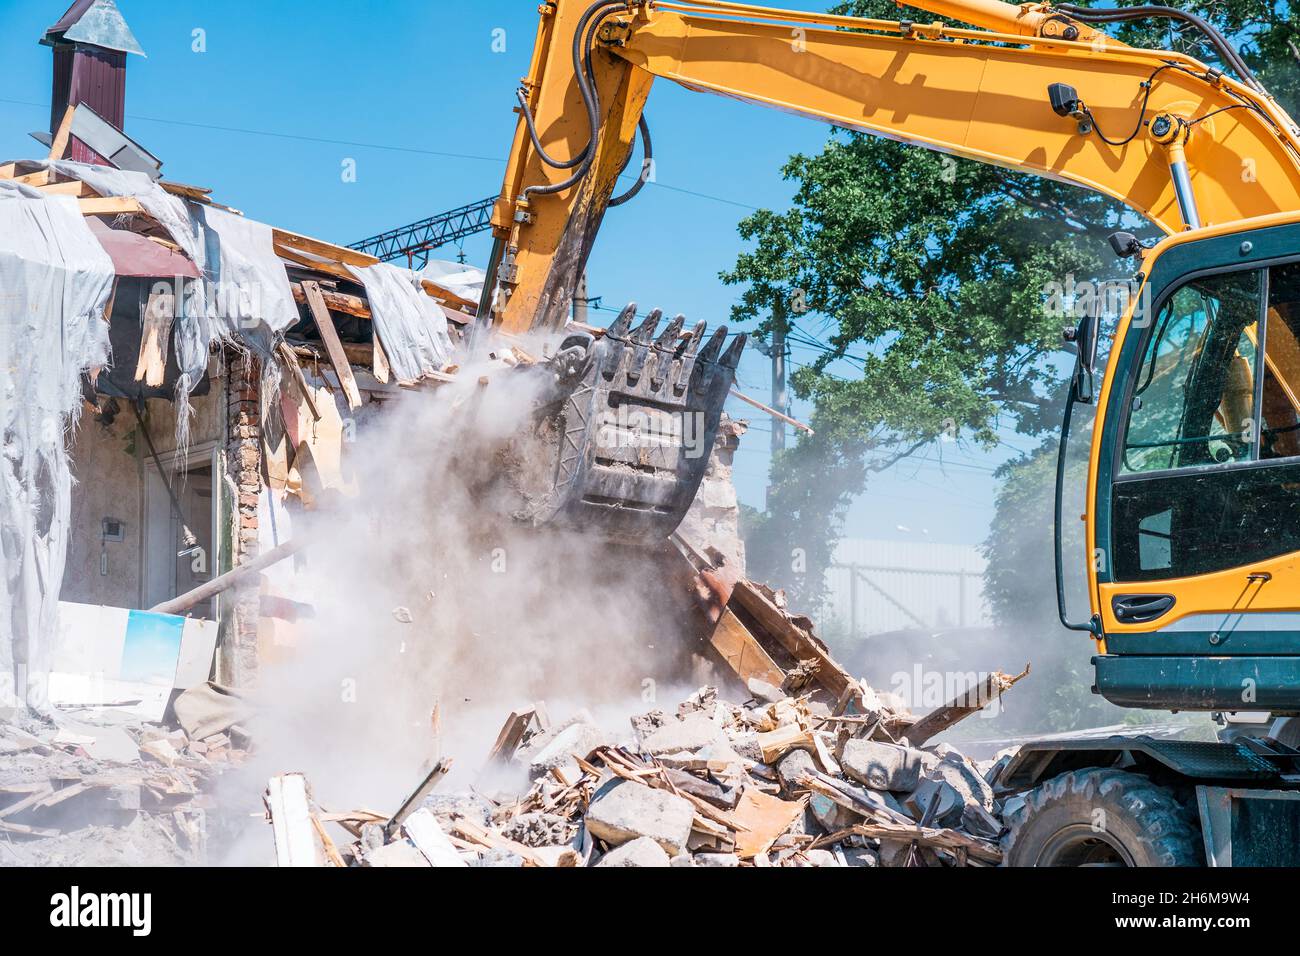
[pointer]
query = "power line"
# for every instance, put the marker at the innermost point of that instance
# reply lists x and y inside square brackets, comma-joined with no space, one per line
[389,147]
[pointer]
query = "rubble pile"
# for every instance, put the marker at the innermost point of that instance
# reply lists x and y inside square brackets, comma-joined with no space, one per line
[778,780]
[106,789]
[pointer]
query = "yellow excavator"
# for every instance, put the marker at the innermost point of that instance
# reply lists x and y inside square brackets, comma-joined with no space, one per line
[1192,518]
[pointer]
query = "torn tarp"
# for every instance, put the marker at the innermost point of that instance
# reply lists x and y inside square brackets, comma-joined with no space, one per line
[244,295]
[412,327]
[57,280]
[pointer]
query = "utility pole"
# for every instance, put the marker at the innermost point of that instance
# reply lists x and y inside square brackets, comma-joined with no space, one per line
[580,301]
[778,374]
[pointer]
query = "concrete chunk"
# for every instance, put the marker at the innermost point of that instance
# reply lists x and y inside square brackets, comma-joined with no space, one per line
[948,809]
[791,766]
[576,740]
[955,771]
[691,733]
[642,851]
[882,766]
[622,811]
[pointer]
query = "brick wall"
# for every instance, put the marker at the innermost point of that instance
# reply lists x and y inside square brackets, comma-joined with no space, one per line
[244,466]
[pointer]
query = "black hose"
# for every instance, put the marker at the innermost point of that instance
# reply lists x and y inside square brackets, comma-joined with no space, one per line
[647,158]
[590,97]
[1217,40]
[537,143]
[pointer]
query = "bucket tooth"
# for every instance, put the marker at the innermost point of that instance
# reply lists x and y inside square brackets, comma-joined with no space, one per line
[731,357]
[710,351]
[645,333]
[696,337]
[620,326]
[668,338]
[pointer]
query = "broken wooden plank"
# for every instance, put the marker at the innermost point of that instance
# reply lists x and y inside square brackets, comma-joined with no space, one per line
[764,818]
[798,642]
[289,809]
[511,733]
[742,652]
[776,743]
[111,206]
[443,294]
[379,359]
[27,802]
[468,830]
[155,336]
[290,361]
[59,145]
[333,347]
[970,701]
[352,305]
[318,247]
[316,265]
[953,840]
[331,851]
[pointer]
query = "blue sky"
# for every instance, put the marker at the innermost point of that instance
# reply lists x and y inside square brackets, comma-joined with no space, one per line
[412,91]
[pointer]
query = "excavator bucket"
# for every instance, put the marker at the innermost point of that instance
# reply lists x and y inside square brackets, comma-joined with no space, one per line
[629,430]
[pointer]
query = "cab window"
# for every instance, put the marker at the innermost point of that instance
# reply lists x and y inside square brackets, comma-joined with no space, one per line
[1209,475]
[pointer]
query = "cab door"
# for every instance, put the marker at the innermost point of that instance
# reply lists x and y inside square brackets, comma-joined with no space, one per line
[1198,493]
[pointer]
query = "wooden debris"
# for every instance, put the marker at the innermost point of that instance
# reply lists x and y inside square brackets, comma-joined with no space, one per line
[776,743]
[508,739]
[742,652]
[288,807]
[330,337]
[59,145]
[155,336]
[764,818]
[970,701]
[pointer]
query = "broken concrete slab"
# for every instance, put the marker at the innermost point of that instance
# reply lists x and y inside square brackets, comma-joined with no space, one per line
[792,766]
[692,732]
[576,740]
[881,766]
[623,810]
[956,771]
[641,852]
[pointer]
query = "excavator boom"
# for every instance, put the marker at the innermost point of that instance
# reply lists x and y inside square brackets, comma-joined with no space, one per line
[1183,144]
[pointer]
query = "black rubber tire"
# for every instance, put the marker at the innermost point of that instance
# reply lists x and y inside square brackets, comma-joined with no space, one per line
[1142,824]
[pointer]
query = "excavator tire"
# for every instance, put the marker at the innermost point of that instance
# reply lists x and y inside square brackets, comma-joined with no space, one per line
[1101,817]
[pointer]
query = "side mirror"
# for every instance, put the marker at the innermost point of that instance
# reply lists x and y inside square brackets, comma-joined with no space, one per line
[1084,336]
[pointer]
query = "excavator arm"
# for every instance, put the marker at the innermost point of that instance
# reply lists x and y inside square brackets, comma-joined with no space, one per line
[1035,91]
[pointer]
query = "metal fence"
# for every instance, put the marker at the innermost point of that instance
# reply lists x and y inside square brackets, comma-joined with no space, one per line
[880,586]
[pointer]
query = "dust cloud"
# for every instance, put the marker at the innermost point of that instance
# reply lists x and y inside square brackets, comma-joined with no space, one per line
[437,611]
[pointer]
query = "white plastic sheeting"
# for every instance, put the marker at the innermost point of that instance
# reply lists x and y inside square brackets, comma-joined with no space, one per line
[412,327]
[56,281]
[465,281]
[244,296]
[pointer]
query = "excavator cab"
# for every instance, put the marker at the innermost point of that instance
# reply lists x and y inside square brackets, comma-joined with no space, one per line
[1194,513]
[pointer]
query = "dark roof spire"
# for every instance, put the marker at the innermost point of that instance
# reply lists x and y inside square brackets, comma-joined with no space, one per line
[94,23]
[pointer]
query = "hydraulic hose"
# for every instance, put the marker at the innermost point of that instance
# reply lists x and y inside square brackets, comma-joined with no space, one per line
[1216,39]
[647,151]
[587,26]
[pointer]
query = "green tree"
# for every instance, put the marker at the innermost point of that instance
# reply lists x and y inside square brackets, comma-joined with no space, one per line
[929,273]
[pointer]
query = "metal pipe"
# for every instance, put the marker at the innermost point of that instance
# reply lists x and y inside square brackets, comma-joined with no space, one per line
[1183,186]
[222,582]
